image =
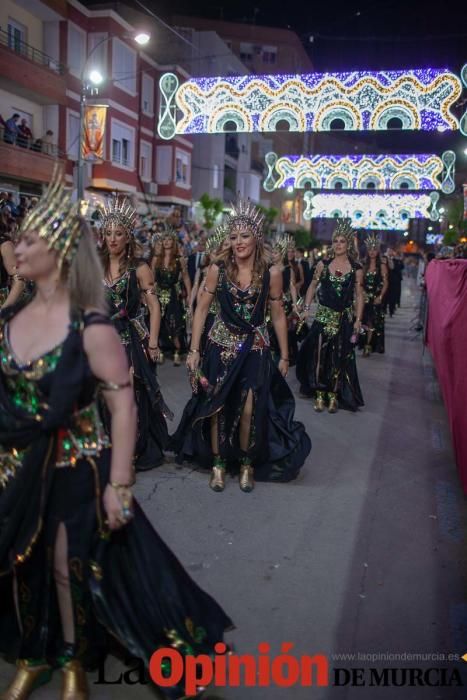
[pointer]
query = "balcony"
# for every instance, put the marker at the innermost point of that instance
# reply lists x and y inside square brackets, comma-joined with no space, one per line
[25,163]
[26,71]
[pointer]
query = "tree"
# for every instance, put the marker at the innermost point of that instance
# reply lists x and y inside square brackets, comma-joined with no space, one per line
[212,208]
[270,214]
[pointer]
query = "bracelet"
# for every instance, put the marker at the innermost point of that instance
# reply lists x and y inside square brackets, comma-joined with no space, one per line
[358,320]
[192,352]
[116,485]
[153,347]
[307,307]
[285,359]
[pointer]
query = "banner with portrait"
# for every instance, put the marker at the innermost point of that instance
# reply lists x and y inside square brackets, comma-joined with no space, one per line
[94,133]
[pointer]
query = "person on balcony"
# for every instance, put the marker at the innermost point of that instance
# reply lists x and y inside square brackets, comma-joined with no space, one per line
[48,145]
[24,138]
[10,134]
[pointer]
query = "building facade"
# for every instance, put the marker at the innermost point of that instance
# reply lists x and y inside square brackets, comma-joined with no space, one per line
[47,49]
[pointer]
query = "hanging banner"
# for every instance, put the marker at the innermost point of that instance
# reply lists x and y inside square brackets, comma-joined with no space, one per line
[465,202]
[93,133]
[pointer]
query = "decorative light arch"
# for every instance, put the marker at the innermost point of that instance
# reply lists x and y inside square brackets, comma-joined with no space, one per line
[421,171]
[373,211]
[364,100]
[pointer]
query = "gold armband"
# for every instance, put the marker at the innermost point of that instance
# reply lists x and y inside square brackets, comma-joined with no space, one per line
[112,386]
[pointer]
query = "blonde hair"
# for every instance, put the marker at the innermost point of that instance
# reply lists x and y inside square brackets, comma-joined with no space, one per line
[85,274]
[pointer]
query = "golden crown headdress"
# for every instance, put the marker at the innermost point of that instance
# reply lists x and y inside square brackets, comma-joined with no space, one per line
[170,232]
[283,243]
[246,214]
[56,219]
[344,228]
[118,211]
[216,239]
[372,242]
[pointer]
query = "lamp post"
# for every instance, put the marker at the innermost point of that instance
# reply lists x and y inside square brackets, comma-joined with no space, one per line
[88,84]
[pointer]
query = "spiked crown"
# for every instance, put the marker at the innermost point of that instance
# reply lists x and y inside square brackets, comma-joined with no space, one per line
[283,243]
[344,228]
[56,219]
[216,239]
[245,214]
[372,242]
[118,211]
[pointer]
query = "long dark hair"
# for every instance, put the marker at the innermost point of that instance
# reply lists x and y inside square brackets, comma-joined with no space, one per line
[128,259]
[366,263]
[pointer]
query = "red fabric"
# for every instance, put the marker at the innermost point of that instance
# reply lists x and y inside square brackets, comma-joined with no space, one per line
[446,282]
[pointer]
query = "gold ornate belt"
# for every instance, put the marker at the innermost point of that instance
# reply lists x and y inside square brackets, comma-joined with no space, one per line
[232,342]
[331,319]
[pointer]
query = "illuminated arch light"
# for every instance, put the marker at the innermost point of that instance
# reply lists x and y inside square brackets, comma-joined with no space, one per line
[422,171]
[339,179]
[403,110]
[238,116]
[345,111]
[275,114]
[372,211]
[363,99]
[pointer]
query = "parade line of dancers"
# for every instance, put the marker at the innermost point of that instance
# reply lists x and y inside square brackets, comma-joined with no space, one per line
[81,410]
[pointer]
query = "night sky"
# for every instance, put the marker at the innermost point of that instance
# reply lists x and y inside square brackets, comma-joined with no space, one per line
[370,34]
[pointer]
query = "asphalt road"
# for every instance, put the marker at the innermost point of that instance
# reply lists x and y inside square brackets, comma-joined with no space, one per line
[363,554]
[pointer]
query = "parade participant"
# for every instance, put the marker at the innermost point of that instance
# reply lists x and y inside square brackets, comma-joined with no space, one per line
[279,257]
[326,367]
[126,278]
[11,284]
[241,412]
[69,581]
[170,273]
[215,244]
[375,285]
[297,268]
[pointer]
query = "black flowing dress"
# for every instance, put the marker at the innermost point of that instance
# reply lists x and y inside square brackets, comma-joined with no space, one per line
[373,314]
[291,322]
[173,317]
[326,359]
[238,360]
[54,467]
[127,314]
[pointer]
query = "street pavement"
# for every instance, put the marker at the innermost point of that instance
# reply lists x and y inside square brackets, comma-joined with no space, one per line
[363,553]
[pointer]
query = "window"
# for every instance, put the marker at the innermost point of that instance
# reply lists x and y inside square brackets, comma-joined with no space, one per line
[98,46]
[76,49]
[182,168]
[16,36]
[147,94]
[145,161]
[164,165]
[246,52]
[72,135]
[269,55]
[124,66]
[123,138]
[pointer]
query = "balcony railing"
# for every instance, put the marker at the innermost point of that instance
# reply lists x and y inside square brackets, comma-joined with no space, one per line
[23,49]
[25,144]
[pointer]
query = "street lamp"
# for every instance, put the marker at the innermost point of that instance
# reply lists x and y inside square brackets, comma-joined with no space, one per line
[95,77]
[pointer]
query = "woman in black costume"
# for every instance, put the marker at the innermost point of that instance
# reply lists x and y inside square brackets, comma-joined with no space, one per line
[326,367]
[79,561]
[11,284]
[126,280]
[242,415]
[170,274]
[375,286]
[280,250]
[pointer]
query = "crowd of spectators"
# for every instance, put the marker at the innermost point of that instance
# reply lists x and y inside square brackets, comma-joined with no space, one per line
[16,131]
